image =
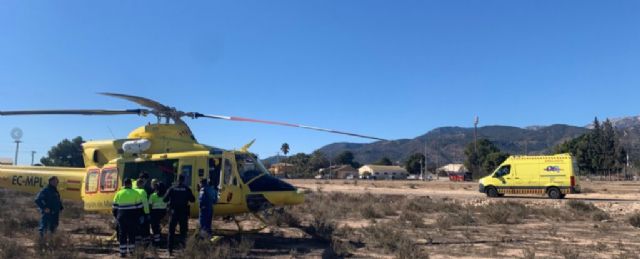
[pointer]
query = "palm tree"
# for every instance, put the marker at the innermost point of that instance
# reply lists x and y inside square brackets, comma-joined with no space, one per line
[285,148]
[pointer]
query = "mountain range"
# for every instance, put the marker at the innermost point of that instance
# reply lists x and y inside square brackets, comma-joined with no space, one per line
[446,144]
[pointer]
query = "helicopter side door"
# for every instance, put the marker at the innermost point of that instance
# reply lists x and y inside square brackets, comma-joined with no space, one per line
[188,167]
[231,195]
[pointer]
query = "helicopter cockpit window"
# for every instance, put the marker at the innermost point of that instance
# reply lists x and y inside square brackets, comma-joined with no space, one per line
[247,167]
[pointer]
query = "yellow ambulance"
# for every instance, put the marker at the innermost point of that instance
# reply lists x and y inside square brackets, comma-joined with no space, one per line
[553,175]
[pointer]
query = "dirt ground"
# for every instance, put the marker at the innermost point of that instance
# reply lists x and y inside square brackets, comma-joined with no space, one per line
[378,219]
[575,237]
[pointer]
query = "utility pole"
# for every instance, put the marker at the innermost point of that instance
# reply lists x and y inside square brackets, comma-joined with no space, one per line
[330,171]
[426,164]
[16,134]
[422,166]
[15,160]
[475,141]
[33,153]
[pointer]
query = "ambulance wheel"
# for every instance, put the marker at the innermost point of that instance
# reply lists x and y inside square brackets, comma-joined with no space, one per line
[492,192]
[554,193]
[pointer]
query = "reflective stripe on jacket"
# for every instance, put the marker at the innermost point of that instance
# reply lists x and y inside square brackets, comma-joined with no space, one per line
[127,201]
[156,202]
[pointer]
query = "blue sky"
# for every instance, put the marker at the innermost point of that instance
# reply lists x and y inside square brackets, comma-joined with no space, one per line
[392,69]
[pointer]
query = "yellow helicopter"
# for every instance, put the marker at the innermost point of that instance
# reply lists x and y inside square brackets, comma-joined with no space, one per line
[164,150]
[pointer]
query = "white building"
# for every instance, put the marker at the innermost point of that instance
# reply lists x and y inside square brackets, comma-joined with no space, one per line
[455,172]
[453,168]
[382,172]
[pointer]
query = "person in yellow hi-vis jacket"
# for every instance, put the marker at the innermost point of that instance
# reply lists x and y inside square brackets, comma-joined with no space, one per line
[127,208]
[158,210]
[145,218]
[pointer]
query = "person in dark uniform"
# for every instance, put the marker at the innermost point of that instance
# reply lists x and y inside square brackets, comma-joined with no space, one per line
[48,200]
[178,198]
[127,208]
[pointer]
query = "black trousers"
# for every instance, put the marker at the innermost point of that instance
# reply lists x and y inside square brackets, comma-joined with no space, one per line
[143,229]
[127,228]
[178,217]
[156,217]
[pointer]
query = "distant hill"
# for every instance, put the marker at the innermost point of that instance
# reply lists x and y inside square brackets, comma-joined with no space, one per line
[446,144]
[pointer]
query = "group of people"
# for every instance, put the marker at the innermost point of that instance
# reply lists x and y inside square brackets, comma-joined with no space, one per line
[139,208]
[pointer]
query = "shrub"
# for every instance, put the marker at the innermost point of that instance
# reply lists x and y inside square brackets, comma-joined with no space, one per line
[581,206]
[388,210]
[392,241]
[73,210]
[599,215]
[509,212]
[383,236]
[57,245]
[322,228]
[244,246]
[282,217]
[449,220]
[198,248]
[340,248]
[10,249]
[587,209]
[569,253]
[412,219]
[634,219]
[529,253]
[369,212]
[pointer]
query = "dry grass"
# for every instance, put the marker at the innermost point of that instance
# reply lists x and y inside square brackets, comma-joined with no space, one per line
[57,245]
[197,248]
[366,225]
[10,249]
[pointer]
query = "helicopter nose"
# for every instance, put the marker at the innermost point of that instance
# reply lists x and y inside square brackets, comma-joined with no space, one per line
[296,198]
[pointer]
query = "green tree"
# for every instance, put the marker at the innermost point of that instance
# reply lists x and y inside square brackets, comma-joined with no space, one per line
[598,151]
[493,160]
[285,148]
[300,162]
[344,158]
[481,163]
[383,161]
[67,153]
[318,160]
[414,162]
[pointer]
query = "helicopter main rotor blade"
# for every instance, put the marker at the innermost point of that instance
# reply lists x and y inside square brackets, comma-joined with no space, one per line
[232,118]
[157,108]
[141,112]
[140,100]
